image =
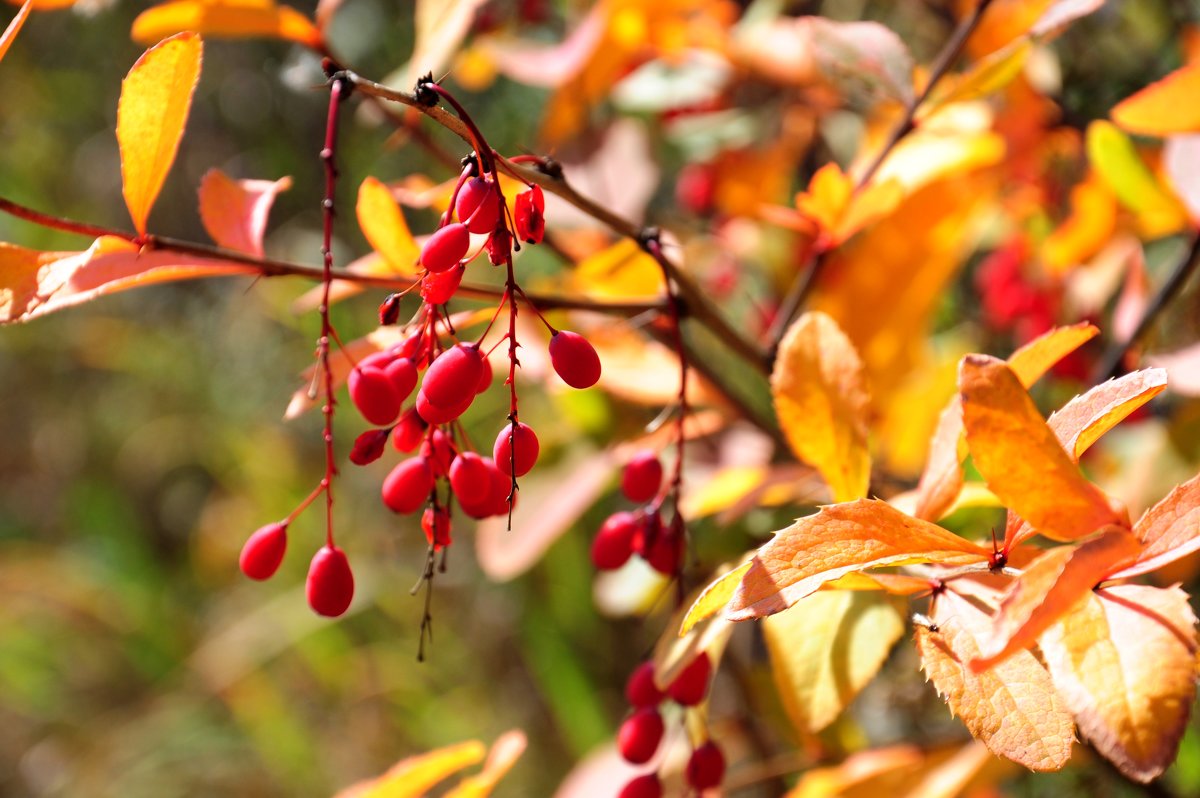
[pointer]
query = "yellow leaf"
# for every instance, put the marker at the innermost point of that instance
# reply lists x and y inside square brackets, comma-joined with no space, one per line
[1162,108]
[1049,588]
[838,539]
[1113,155]
[10,33]
[234,212]
[225,18]
[986,76]
[825,648]
[1019,457]
[1013,708]
[503,754]
[713,598]
[828,195]
[1086,231]
[822,402]
[895,584]
[866,774]
[622,271]
[674,651]
[412,777]
[1080,422]
[156,96]
[1035,358]
[1122,659]
[1170,529]
[385,228]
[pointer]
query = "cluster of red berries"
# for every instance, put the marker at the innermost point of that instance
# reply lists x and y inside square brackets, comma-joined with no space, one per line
[641,734]
[643,531]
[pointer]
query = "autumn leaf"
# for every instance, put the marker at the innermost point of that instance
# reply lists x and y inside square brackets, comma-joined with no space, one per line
[412,777]
[1020,458]
[1032,360]
[1123,660]
[1049,588]
[234,212]
[864,60]
[233,18]
[1013,708]
[503,754]
[1170,530]
[681,642]
[713,598]
[825,648]
[841,210]
[620,271]
[385,228]
[838,539]
[1114,157]
[1080,422]
[986,76]
[1165,107]
[14,27]
[1087,229]
[156,96]
[821,401]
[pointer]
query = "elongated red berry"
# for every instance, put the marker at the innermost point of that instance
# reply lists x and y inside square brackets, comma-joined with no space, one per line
[527,213]
[470,480]
[368,447]
[613,544]
[409,431]
[691,685]
[407,487]
[453,375]
[574,359]
[402,373]
[642,477]
[478,206]
[389,309]
[445,248]
[665,554]
[639,735]
[647,785]
[436,523]
[264,551]
[706,767]
[640,690]
[515,451]
[438,287]
[438,414]
[439,452]
[485,376]
[330,585]
[495,502]
[373,395]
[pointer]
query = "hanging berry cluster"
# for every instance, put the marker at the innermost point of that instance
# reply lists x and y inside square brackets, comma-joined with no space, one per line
[641,532]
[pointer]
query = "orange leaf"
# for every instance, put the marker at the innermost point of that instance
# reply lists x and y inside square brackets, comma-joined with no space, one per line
[155,98]
[838,539]
[385,228]
[1080,422]
[1170,529]
[1122,659]
[828,195]
[412,777]
[225,18]
[1013,708]
[10,33]
[1035,358]
[713,598]
[501,757]
[36,283]
[822,402]
[45,5]
[1087,230]
[1165,107]
[234,212]
[1019,457]
[1049,588]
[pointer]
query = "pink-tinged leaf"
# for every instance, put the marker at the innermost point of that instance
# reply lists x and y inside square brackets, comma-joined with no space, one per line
[1061,14]
[1080,422]
[36,283]
[536,64]
[1013,708]
[1135,294]
[10,33]
[863,59]
[1124,661]
[1020,458]
[837,540]
[234,212]
[1049,588]
[1170,529]
[1181,160]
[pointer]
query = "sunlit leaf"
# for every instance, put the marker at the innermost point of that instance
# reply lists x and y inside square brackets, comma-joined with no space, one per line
[501,757]
[1087,229]
[1012,708]
[825,648]
[836,540]
[1165,107]
[14,27]
[225,18]
[156,96]
[621,271]
[865,774]
[1123,660]
[682,641]
[821,401]
[713,598]
[1113,155]
[412,777]
[1080,422]
[1170,529]
[234,212]
[441,26]
[35,283]
[1032,360]
[987,76]
[1049,588]
[841,211]
[1060,14]
[385,228]
[1019,457]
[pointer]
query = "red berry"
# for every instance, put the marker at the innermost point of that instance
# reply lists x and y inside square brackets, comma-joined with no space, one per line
[368,447]
[640,690]
[574,359]
[438,414]
[666,551]
[527,213]
[453,375]
[408,485]
[415,347]
[613,544]
[477,205]
[436,523]
[330,585]
[642,477]
[647,533]
[644,786]
[403,376]
[264,551]
[438,287]
[695,188]
[445,248]
[389,310]
[485,376]
[706,767]
[373,395]
[496,500]
[639,735]
[691,684]
[470,480]
[439,452]
[409,431]
[515,452]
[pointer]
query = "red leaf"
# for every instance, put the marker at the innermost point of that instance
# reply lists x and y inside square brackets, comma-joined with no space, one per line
[234,212]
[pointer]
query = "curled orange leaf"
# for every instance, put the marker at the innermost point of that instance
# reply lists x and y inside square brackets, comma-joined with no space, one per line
[1170,529]
[226,18]
[1165,107]
[156,96]
[234,212]
[1080,422]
